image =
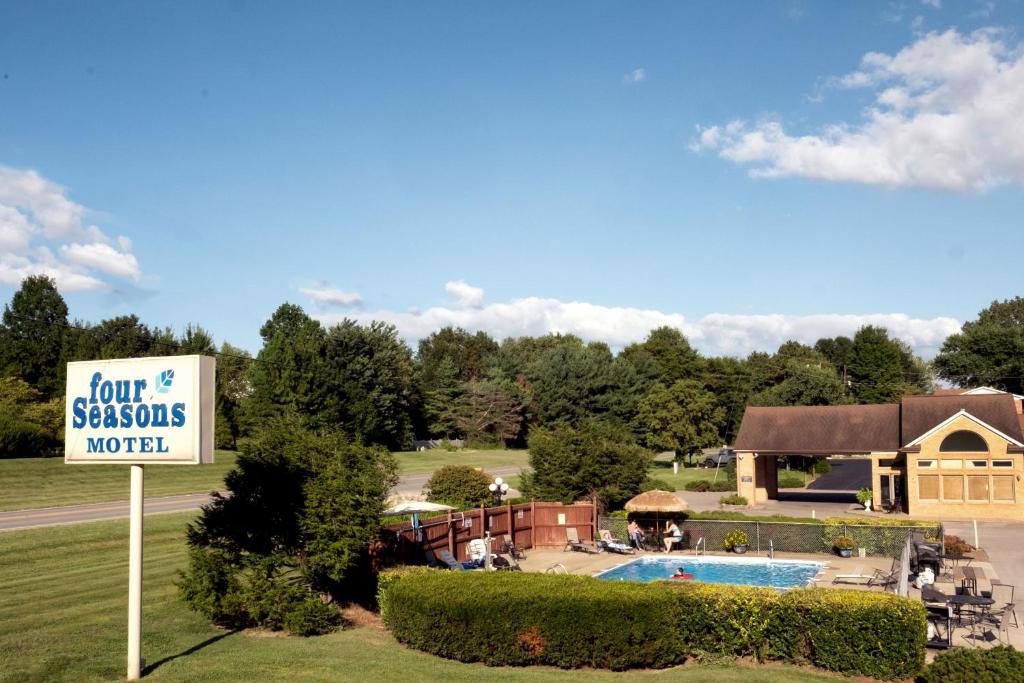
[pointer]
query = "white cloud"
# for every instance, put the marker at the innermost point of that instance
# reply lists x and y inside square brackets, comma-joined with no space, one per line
[102,257]
[946,115]
[715,334]
[934,4]
[327,296]
[37,218]
[635,76]
[466,295]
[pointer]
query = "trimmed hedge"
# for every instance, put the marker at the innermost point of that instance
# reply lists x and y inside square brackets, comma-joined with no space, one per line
[1001,664]
[579,621]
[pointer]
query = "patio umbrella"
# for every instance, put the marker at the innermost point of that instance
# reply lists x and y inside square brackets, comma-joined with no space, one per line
[657,502]
[414,508]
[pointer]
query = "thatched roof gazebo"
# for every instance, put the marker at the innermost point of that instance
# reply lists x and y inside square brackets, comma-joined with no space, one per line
[663,504]
[656,501]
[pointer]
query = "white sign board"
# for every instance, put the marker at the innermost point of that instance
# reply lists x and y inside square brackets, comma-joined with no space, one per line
[140,411]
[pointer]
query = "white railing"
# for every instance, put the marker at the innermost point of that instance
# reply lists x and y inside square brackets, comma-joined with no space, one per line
[700,546]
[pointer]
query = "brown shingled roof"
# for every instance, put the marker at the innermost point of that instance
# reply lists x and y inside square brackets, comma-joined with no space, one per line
[862,429]
[820,429]
[922,413]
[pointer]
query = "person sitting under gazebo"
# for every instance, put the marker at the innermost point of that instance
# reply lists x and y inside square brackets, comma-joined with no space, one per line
[672,535]
[636,535]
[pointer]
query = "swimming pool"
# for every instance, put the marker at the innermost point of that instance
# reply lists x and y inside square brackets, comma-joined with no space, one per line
[742,571]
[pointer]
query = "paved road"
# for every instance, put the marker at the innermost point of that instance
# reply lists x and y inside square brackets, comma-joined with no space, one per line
[92,512]
[846,475]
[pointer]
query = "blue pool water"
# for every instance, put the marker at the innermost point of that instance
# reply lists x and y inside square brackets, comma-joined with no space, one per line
[732,570]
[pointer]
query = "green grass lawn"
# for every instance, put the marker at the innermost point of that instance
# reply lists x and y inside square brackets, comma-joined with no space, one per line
[425,462]
[48,482]
[663,471]
[63,604]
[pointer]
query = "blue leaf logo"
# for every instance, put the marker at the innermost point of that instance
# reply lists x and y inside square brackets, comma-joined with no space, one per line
[164,381]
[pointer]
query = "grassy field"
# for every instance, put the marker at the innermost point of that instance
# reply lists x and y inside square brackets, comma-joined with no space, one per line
[63,610]
[663,471]
[48,482]
[425,462]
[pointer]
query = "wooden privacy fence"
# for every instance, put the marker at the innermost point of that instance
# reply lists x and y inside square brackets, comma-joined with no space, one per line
[530,525]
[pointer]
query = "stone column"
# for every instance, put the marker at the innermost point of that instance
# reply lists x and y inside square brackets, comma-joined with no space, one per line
[745,474]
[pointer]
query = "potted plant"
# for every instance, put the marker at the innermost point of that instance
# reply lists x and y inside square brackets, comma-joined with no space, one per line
[864,497]
[844,546]
[737,541]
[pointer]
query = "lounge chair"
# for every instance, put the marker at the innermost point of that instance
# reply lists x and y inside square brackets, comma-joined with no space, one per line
[886,579]
[512,549]
[449,561]
[610,544]
[573,542]
[858,578]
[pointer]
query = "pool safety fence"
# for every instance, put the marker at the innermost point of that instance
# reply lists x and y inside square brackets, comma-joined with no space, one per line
[528,525]
[791,537]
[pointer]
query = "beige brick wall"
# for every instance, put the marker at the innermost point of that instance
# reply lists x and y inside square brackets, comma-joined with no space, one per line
[954,499]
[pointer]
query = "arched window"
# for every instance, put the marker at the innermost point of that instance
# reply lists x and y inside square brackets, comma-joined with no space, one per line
[963,442]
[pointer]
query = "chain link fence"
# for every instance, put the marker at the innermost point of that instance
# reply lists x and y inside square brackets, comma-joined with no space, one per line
[791,537]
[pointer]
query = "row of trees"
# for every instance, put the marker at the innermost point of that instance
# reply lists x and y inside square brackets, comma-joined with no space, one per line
[364,380]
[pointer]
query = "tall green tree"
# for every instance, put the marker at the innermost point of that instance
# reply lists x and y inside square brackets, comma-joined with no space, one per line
[988,351]
[876,366]
[572,383]
[596,458]
[368,380]
[490,410]
[32,335]
[196,341]
[676,359]
[233,388]
[683,417]
[729,381]
[289,372]
[806,385]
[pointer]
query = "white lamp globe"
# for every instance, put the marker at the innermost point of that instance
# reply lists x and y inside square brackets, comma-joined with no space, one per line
[492,487]
[504,488]
[498,480]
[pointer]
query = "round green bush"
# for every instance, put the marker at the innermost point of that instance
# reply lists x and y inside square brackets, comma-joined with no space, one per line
[822,466]
[20,439]
[1001,664]
[788,480]
[460,486]
[699,485]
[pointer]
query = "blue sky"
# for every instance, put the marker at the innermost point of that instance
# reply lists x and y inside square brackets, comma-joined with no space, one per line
[518,168]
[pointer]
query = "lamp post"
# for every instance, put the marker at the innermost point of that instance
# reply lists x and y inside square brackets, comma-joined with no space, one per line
[499,488]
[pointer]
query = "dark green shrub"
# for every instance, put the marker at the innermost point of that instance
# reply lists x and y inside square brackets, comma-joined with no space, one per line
[732,500]
[822,466]
[574,463]
[19,438]
[460,486]
[303,509]
[652,484]
[721,485]
[577,621]
[312,617]
[1001,664]
[789,480]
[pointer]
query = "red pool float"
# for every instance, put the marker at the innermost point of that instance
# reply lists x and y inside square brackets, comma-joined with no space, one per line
[681,575]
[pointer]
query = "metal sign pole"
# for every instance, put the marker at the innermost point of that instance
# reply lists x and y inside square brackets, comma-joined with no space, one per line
[135,576]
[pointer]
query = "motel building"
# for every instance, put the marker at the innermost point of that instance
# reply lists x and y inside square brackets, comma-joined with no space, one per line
[955,453]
